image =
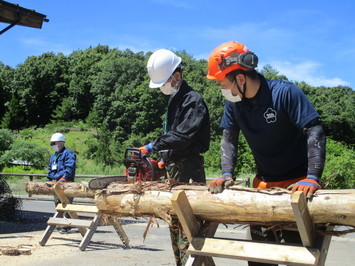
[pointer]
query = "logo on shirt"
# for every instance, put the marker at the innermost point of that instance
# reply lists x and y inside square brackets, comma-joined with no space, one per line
[270,115]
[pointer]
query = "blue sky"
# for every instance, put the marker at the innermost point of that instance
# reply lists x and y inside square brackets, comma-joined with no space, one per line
[311,41]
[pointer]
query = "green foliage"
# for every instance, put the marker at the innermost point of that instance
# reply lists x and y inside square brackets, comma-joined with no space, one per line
[213,156]
[271,73]
[340,159]
[27,152]
[245,163]
[99,98]
[336,107]
[6,140]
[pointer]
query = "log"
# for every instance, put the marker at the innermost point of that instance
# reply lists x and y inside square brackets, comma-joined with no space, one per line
[234,206]
[72,189]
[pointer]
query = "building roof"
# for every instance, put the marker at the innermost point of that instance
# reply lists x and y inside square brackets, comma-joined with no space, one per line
[14,14]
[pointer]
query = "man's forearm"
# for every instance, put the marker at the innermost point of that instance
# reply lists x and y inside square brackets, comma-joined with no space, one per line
[316,150]
[229,149]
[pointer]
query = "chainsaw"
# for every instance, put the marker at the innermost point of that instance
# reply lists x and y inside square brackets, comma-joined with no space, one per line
[138,167]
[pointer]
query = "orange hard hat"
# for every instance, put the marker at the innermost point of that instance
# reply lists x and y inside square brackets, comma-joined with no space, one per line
[228,57]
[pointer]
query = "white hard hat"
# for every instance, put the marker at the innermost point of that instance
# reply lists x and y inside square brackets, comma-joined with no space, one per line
[57,137]
[161,65]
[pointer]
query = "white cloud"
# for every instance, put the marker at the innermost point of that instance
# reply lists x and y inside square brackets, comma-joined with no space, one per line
[307,71]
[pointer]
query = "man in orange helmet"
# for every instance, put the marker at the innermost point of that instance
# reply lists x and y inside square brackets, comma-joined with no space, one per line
[279,123]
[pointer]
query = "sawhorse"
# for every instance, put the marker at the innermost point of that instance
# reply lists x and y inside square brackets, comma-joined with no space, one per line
[86,228]
[203,246]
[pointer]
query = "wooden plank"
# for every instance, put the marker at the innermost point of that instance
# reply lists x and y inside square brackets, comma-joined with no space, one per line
[121,233]
[185,214]
[60,194]
[191,226]
[77,208]
[69,222]
[254,251]
[87,238]
[303,219]
[65,201]
[323,243]
[49,230]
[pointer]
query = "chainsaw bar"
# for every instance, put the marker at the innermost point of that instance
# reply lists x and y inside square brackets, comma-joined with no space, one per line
[103,182]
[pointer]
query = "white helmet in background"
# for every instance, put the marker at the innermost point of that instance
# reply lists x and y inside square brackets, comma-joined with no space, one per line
[57,137]
[161,66]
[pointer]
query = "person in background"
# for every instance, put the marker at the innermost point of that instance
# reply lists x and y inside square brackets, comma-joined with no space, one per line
[186,133]
[279,123]
[61,167]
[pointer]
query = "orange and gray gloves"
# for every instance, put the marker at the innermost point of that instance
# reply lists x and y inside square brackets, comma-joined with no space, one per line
[309,185]
[161,164]
[62,180]
[217,185]
[147,148]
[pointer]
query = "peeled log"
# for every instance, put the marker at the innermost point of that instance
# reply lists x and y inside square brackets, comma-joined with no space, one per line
[233,206]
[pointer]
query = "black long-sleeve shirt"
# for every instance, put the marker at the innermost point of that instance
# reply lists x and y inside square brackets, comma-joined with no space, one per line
[187,129]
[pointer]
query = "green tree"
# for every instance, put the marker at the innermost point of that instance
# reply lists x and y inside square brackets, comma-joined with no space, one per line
[271,73]
[82,69]
[27,152]
[340,159]
[6,76]
[6,140]
[14,117]
[41,85]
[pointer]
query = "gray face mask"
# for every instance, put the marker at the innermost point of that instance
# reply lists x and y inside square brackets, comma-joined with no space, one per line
[227,93]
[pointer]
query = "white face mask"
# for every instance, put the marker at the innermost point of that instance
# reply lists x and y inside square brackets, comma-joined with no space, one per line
[167,89]
[227,93]
[55,148]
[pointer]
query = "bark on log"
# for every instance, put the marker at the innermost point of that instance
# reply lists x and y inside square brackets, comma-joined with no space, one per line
[233,206]
[71,189]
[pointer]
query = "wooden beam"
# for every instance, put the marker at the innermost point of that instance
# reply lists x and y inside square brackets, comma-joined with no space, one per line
[254,251]
[323,243]
[49,230]
[304,221]
[92,229]
[119,230]
[69,222]
[77,208]
[185,214]
[64,200]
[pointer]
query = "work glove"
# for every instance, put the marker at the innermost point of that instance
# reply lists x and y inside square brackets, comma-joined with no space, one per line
[218,184]
[161,164]
[309,185]
[62,180]
[146,148]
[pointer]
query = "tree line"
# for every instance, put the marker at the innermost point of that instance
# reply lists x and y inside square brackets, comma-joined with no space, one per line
[107,89]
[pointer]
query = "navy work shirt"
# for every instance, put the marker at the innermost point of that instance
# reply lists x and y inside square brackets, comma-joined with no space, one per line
[272,123]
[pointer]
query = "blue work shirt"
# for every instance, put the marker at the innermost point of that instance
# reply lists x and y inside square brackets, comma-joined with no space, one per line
[272,123]
[62,165]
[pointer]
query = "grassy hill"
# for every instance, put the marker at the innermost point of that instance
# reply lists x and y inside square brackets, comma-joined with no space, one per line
[76,140]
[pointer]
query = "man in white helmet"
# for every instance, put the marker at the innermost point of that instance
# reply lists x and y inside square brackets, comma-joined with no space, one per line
[61,167]
[186,133]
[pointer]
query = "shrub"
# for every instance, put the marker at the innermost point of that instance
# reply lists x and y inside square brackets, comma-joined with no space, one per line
[340,159]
